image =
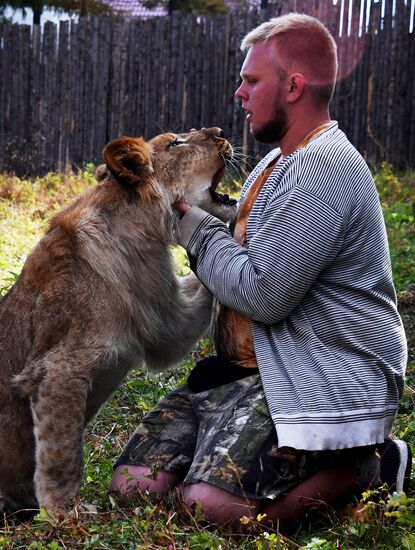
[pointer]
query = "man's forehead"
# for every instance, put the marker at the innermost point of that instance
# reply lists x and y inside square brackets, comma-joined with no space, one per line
[258,58]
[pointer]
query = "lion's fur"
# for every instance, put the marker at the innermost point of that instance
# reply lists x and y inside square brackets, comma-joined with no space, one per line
[97,296]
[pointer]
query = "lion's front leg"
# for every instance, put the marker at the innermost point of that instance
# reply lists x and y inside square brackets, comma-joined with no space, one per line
[198,298]
[185,320]
[59,417]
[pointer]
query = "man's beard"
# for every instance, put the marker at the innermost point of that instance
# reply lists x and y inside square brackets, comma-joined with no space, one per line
[274,130]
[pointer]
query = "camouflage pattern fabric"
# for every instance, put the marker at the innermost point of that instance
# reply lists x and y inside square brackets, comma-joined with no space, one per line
[223,436]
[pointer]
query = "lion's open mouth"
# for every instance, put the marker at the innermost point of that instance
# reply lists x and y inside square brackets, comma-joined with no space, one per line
[224,198]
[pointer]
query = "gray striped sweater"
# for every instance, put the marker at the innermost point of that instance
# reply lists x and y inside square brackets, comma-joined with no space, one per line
[316,281]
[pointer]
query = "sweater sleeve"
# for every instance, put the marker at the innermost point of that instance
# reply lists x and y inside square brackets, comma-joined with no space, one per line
[267,280]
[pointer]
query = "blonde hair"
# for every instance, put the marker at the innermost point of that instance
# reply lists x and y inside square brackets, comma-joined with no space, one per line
[304,45]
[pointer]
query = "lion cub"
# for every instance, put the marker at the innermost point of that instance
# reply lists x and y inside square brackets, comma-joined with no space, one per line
[98,296]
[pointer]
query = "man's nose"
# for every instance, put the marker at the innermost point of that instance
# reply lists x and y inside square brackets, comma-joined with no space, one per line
[240,93]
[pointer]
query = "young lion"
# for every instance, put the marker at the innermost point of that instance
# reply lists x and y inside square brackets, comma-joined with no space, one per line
[97,296]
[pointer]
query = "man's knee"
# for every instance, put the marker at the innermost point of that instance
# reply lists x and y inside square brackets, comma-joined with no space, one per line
[128,478]
[217,505]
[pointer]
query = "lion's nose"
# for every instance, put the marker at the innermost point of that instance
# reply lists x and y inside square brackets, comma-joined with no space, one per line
[214,132]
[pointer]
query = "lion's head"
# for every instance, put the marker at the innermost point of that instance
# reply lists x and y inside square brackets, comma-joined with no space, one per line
[182,166]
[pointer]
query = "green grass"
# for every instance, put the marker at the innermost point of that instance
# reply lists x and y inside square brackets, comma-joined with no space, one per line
[145,522]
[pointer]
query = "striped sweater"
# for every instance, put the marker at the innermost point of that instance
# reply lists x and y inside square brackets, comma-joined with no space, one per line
[316,281]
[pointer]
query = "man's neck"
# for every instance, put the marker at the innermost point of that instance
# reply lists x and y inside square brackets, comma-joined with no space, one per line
[297,132]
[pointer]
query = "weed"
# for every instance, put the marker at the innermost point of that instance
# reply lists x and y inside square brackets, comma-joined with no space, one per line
[379,521]
[397,194]
[8,282]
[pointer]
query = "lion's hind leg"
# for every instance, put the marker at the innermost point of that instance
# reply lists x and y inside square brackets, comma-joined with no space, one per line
[58,404]
[16,452]
[14,509]
[59,420]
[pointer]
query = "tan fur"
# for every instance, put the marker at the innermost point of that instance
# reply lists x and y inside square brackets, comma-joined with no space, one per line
[98,296]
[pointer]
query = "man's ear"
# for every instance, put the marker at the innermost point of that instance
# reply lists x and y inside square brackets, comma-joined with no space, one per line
[295,87]
[129,160]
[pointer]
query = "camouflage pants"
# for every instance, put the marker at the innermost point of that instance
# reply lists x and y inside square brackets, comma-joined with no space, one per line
[223,436]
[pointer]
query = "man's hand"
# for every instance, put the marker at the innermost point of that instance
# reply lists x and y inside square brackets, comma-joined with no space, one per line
[181,206]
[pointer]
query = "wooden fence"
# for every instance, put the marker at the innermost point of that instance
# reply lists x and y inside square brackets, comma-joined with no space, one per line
[66,91]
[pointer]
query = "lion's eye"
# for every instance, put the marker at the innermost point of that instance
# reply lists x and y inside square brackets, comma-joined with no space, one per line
[177,141]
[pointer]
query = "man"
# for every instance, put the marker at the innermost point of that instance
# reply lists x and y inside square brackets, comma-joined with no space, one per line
[306,296]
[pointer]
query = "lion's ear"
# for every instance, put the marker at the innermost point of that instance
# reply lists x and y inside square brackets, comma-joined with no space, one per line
[129,160]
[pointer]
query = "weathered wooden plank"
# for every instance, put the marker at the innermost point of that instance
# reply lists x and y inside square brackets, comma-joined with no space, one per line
[356,54]
[34,101]
[408,103]
[397,145]
[372,146]
[150,128]
[156,91]
[187,68]
[360,97]
[366,41]
[139,38]
[411,102]
[15,98]
[162,75]
[63,74]
[389,84]
[228,75]
[96,90]
[48,83]
[2,97]
[61,101]
[222,70]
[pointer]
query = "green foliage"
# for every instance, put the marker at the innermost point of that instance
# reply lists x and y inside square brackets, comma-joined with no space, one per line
[317,543]
[8,282]
[397,194]
[378,522]
[381,514]
[26,205]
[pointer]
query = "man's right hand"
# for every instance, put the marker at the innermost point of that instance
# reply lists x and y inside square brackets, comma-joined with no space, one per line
[181,206]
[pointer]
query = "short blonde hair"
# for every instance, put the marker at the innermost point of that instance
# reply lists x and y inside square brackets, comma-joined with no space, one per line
[305,45]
